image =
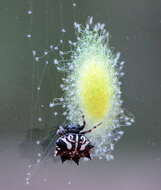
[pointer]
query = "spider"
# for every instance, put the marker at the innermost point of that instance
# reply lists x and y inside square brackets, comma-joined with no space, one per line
[72,143]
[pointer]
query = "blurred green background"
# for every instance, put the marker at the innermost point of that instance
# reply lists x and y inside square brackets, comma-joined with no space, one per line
[135,31]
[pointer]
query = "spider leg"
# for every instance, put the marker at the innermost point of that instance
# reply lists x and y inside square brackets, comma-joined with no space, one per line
[84,123]
[90,130]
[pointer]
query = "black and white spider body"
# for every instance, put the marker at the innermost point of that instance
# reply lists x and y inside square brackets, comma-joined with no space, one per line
[72,143]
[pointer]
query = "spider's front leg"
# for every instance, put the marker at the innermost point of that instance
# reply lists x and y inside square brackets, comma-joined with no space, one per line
[81,127]
[90,130]
[84,122]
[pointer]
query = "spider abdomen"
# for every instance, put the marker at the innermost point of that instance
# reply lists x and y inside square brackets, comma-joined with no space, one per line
[73,146]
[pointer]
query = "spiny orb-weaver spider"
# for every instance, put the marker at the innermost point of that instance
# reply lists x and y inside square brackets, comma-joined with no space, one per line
[72,143]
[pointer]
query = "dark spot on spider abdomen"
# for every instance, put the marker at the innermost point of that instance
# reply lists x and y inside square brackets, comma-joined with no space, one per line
[61,144]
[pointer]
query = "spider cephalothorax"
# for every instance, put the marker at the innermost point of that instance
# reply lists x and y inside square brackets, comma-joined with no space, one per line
[72,143]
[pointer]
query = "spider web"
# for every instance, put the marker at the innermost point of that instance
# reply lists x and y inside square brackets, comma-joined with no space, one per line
[45,47]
